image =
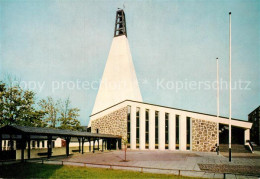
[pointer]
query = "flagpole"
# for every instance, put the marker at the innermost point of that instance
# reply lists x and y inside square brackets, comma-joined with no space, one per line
[217,107]
[229,87]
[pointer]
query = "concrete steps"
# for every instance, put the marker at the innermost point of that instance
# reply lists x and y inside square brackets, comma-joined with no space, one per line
[236,148]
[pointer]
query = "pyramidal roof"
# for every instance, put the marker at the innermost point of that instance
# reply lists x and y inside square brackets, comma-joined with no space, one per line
[119,81]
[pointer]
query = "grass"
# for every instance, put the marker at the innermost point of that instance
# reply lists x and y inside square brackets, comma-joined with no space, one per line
[30,170]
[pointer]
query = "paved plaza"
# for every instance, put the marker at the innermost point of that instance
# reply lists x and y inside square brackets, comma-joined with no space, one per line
[244,164]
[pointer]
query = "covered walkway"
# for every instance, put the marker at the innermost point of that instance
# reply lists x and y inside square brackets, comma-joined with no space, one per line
[24,134]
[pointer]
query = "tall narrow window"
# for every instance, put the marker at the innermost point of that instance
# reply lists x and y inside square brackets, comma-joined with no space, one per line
[147,128]
[188,133]
[166,130]
[177,131]
[128,125]
[137,126]
[156,128]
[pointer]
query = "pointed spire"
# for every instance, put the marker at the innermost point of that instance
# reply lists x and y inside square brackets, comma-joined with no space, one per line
[120,24]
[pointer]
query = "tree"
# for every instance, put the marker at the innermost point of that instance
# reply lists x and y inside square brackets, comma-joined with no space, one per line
[50,107]
[18,107]
[2,90]
[125,142]
[68,119]
[59,114]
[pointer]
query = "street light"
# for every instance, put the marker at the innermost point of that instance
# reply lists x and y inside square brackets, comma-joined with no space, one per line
[229,142]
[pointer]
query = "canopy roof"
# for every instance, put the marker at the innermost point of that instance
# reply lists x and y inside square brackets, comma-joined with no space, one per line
[26,130]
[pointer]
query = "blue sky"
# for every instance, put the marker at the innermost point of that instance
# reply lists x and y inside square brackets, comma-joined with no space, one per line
[50,42]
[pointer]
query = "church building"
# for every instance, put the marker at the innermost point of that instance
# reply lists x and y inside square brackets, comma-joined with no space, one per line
[120,110]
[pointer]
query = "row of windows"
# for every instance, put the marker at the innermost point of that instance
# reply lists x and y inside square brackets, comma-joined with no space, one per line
[147,118]
[6,144]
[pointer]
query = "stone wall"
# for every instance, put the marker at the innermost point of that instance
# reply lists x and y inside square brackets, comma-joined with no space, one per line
[204,135]
[114,123]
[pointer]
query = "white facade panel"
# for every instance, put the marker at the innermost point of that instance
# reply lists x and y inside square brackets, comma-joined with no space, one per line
[182,130]
[133,127]
[142,128]
[172,131]
[247,136]
[151,129]
[161,136]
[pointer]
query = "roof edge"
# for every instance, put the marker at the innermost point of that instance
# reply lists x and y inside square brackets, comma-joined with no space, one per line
[164,107]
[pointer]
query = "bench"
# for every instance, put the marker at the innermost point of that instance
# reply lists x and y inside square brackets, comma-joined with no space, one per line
[43,153]
[96,149]
[75,150]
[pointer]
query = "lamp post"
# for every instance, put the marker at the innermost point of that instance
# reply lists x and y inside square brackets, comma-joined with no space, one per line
[217,106]
[229,127]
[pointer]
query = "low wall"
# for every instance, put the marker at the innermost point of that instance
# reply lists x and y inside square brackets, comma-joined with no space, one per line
[55,151]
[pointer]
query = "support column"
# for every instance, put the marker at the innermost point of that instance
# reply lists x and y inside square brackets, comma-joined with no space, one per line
[1,143]
[23,147]
[151,129]
[102,145]
[117,144]
[89,140]
[49,146]
[1,146]
[183,137]
[94,145]
[67,146]
[110,144]
[161,130]
[98,144]
[133,127]
[247,136]
[79,145]
[142,129]
[172,131]
[29,148]
[12,143]
[83,139]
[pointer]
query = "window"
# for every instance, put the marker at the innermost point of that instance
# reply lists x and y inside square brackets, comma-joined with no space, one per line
[33,144]
[177,131]
[188,132]
[166,130]
[128,125]
[43,144]
[137,126]
[5,145]
[97,131]
[38,144]
[147,128]
[156,128]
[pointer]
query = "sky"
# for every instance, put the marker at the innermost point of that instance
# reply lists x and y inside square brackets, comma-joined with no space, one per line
[54,47]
